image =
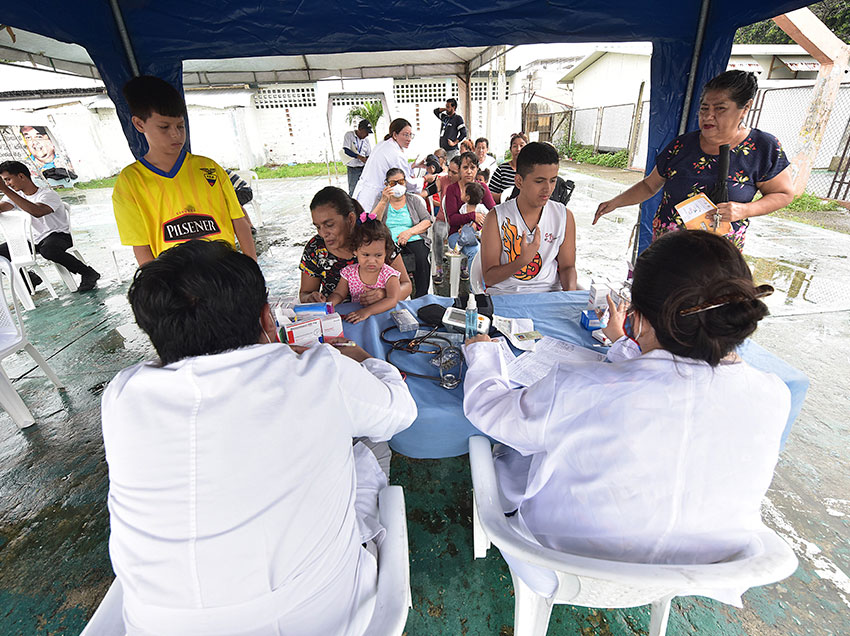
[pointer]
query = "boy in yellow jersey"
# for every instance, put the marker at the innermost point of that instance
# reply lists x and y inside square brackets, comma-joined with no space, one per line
[170,195]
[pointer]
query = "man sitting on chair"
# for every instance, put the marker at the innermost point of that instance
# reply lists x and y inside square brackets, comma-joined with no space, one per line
[237,503]
[51,228]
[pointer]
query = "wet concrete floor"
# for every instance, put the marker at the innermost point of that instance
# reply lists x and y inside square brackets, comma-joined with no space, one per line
[54,565]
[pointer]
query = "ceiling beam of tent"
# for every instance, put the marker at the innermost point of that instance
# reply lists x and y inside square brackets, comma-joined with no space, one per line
[10,55]
[125,37]
[695,58]
[488,55]
[307,68]
[196,78]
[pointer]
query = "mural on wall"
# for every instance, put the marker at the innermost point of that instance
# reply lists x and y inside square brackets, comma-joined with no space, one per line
[37,148]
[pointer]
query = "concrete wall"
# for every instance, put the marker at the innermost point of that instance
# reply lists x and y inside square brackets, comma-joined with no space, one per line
[613,79]
[278,124]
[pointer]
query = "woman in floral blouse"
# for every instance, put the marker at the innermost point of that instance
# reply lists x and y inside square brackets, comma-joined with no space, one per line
[688,165]
[334,215]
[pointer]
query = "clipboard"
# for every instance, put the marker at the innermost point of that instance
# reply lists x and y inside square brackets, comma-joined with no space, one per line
[692,211]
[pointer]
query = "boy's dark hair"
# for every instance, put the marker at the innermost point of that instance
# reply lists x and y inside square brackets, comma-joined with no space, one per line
[372,230]
[452,101]
[684,269]
[482,139]
[199,298]
[147,95]
[535,154]
[15,168]
[740,86]
[474,193]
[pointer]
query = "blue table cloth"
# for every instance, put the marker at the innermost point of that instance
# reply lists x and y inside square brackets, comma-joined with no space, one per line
[442,430]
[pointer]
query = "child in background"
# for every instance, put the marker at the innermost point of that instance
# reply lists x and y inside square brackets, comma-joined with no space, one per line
[373,246]
[483,176]
[473,195]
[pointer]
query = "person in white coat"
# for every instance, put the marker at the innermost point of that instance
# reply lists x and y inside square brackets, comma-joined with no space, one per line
[663,456]
[237,503]
[387,154]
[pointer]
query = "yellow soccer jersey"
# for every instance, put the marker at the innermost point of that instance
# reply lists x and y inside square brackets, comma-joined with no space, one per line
[159,209]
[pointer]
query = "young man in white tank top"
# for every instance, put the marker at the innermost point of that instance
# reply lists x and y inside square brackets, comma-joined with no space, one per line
[528,244]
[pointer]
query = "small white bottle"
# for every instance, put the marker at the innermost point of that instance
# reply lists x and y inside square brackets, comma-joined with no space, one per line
[471,318]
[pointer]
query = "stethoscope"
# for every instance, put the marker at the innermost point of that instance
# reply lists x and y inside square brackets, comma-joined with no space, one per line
[439,346]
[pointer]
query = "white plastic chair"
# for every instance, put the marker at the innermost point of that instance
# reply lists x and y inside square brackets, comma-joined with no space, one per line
[590,582]
[17,226]
[13,338]
[476,276]
[254,181]
[393,599]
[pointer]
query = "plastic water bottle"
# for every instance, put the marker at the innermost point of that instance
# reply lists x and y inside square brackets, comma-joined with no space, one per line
[471,318]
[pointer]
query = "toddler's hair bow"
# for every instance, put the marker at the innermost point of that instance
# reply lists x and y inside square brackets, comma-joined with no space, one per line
[366,216]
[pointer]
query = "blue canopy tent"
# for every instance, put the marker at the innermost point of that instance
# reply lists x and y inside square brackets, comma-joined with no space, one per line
[691,40]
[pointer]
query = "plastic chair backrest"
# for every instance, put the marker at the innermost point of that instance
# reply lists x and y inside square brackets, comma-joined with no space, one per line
[768,559]
[17,226]
[476,276]
[8,324]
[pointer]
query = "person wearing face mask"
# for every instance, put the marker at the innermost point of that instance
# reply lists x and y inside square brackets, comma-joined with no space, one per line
[689,164]
[408,219]
[388,154]
[662,455]
[238,500]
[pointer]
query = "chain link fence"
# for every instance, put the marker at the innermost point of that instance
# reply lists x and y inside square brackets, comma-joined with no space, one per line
[782,112]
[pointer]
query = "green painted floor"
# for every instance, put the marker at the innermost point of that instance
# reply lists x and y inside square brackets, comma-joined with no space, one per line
[54,565]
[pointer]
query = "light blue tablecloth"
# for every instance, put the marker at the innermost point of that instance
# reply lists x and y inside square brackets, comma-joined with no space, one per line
[441,430]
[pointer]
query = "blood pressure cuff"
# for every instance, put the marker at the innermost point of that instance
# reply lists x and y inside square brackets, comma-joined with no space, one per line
[431,314]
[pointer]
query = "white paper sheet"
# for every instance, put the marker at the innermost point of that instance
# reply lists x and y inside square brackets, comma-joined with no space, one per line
[510,326]
[532,366]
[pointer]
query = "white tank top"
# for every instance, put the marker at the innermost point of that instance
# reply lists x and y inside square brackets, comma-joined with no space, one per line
[541,274]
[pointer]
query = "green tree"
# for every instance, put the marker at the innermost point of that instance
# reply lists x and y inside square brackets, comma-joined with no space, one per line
[835,14]
[370,111]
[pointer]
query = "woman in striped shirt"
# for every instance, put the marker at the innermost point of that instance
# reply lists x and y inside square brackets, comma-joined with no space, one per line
[503,178]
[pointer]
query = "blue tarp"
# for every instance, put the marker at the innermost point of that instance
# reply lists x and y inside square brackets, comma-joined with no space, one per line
[163,34]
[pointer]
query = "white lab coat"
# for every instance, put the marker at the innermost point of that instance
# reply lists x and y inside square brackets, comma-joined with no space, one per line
[655,459]
[232,490]
[387,154]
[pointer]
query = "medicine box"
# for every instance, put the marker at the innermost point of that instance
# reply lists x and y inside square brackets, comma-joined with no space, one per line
[331,326]
[305,333]
[598,295]
[589,320]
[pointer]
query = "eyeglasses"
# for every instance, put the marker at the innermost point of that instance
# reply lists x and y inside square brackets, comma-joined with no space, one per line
[407,135]
[395,182]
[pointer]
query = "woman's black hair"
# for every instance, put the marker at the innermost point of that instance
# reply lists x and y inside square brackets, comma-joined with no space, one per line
[741,86]
[199,298]
[338,199]
[474,193]
[372,230]
[396,126]
[455,160]
[471,156]
[687,268]
[393,171]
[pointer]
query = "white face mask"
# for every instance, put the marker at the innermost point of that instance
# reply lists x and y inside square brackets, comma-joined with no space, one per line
[398,191]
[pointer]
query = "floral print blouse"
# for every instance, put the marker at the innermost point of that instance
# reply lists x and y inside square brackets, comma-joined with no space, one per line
[688,171]
[321,263]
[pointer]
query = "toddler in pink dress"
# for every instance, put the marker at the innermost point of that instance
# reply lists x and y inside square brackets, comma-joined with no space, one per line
[373,247]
